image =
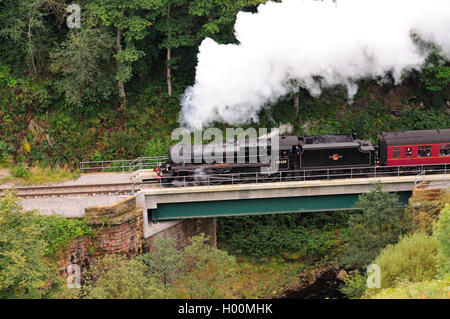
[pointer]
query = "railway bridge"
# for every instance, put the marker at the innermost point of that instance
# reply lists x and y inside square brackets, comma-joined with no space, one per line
[165,206]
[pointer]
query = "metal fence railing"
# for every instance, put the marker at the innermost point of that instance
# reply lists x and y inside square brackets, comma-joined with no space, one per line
[122,165]
[301,175]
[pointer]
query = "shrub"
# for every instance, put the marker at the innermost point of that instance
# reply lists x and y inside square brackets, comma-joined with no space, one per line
[57,231]
[355,285]
[381,223]
[21,171]
[412,259]
[24,270]
[116,277]
[441,232]
[435,289]
[207,272]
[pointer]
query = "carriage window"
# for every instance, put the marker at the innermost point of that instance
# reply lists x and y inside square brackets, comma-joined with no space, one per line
[396,152]
[424,151]
[445,150]
[408,151]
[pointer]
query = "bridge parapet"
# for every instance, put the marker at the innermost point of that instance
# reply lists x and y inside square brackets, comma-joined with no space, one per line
[245,199]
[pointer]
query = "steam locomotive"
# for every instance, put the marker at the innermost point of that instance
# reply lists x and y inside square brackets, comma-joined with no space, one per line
[308,153]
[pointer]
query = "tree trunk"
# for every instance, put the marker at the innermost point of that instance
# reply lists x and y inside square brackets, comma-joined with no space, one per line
[169,57]
[120,84]
[297,103]
[169,73]
[31,50]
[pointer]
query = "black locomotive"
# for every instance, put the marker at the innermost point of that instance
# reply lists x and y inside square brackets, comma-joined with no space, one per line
[294,153]
[310,156]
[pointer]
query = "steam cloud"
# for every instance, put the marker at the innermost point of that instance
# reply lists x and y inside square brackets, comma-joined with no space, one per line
[311,44]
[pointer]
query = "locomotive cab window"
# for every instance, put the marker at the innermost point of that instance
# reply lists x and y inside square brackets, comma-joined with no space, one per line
[445,150]
[396,152]
[424,151]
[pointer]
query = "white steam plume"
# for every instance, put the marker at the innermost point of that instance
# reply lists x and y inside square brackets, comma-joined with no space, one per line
[314,44]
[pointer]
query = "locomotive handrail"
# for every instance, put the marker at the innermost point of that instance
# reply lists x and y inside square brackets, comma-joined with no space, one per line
[303,175]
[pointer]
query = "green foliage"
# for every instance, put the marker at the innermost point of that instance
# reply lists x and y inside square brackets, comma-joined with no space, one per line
[24,271]
[58,231]
[5,150]
[412,259]
[84,62]
[23,23]
[21,171]
[434,289]
[128,21]
[381,223]
[355,285]
[441,231]
[219,17]
[207,271]
[116,277]
[307,235]
[164,260]
[436,73]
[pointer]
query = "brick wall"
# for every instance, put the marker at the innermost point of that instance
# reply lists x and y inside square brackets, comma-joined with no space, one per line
[421,191]
[118,229]
[184,230]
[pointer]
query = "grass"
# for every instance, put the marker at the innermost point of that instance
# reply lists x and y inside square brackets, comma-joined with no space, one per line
[265,279]
[38,175]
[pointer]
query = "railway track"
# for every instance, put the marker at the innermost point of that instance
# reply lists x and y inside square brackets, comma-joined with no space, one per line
[117,189]
[74,190]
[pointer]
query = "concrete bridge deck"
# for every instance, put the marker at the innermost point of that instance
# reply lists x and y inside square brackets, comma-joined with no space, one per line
[285,197]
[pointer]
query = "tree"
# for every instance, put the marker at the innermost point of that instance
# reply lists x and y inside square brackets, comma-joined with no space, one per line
[207,271]
[436,73]
[174,22]
[164,261]
[24,271]
[83,61]
[23,23]
[126,17]
[381,223]
[219,17]
[116,277]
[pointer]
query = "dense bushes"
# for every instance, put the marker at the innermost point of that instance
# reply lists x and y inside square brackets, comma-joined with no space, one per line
[413,259]
[381,222]
[200,271]
[313,235]
[117,277]
[28,243]
[442,233]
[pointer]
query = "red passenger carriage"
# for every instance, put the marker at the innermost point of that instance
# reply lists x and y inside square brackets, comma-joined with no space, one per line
[424,147]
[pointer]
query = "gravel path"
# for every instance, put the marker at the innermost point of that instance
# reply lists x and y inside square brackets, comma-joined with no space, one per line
[67,206]
[100,178]
[74,206]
